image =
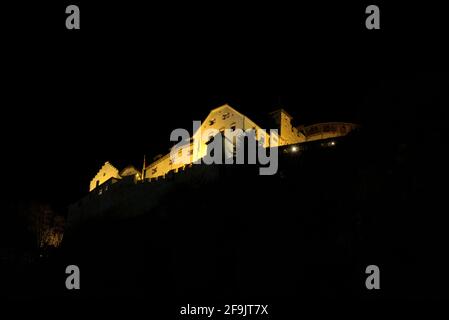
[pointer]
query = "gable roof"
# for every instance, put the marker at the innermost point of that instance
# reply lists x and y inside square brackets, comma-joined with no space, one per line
[121,164]
[129,168]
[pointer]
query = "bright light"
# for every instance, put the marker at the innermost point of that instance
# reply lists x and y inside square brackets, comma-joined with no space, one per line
[332,143]
[294,149]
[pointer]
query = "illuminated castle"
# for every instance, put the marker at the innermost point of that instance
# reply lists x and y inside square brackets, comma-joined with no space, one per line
[219,119]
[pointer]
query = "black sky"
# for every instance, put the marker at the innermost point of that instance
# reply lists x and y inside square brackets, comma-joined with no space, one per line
[117,88]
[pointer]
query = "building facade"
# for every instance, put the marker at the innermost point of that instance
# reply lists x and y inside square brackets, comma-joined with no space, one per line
[219,119]
[109,174]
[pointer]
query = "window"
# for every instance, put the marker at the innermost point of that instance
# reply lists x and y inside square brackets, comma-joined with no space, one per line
[98,183]
[226,115]
[104,174]
[212,121]
[153,170]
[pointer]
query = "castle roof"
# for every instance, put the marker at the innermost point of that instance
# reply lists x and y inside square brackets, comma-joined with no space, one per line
[120,164]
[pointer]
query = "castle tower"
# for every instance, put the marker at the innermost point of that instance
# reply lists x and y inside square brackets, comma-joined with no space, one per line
[287,133]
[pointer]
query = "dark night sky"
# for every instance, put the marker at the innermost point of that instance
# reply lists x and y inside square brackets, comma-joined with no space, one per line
[116,89]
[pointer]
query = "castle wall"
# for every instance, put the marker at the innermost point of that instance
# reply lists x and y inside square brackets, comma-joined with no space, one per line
[219,119]
[288,133]
[328,130]
[125,200]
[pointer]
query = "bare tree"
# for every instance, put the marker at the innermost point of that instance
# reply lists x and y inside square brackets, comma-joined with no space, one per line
[47,226]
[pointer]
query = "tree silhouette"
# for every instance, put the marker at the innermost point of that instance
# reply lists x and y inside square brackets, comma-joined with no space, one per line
[47,226]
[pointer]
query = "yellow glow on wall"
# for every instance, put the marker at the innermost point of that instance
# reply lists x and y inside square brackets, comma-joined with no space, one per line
[106,172]
[221,118]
